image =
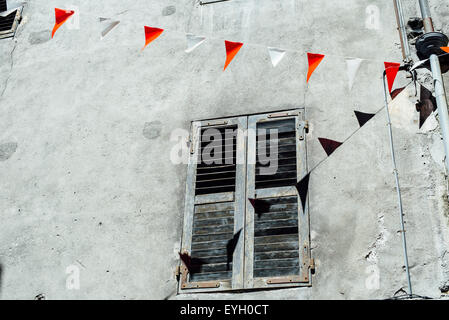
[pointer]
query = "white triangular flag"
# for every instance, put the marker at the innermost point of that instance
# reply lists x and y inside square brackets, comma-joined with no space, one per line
[417,64]
[111,26]
[193,42]
[353,65]
[276,55]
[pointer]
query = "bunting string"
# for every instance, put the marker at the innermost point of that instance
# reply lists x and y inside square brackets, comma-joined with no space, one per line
[205,35]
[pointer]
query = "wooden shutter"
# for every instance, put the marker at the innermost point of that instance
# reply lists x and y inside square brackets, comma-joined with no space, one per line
[215,210]
[9,23]
[277,246]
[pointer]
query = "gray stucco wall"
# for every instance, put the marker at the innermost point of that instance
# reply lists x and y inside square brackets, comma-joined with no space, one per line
[86,177]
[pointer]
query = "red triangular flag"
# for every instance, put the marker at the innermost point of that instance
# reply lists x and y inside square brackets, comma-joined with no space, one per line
[314,60]
[391,70]
[61,16]
[231,50]
[329,145]
[151,34]
[445,49]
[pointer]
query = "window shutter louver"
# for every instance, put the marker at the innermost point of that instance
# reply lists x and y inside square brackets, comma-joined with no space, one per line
[215,207]
[3,5]
[277,233]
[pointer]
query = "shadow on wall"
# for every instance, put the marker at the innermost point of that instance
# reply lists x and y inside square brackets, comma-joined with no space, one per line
[1,277]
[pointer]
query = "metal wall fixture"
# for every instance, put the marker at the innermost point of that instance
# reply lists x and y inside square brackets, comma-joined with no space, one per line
[428,46]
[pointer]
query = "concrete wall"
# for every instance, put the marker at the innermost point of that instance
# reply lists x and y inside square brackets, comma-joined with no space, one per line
[86,177]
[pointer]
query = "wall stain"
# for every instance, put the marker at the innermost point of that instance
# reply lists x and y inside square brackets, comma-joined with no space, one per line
[168,11]
[39,37]
[7,150]
[152,130]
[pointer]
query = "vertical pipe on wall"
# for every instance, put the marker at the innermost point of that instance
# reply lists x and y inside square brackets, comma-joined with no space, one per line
[425,13]
[402,31]
[440,94]
[398,189]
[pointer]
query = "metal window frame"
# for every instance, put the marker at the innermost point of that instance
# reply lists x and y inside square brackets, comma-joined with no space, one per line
[304,278]
[186,286]
[11,32]
[242,271]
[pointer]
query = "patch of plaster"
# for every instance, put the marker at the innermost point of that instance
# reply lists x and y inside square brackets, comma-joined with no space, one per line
[152,130]
[39,37]
[168,11]
[380,242]
[7,150]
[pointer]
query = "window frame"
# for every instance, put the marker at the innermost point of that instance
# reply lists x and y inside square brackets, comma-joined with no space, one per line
[242,270]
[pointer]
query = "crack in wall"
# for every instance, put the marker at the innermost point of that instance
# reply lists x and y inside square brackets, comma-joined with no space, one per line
[11,55]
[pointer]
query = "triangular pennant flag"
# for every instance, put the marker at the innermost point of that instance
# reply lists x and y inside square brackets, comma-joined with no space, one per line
[111,26]
[426,105]
[276,55]
[231,50]
[445,49]
[61,16]
[396,92]
[329,145]
[391,70]
[303,187]
[363,117]
[353,66]
[260,206]
[192,264]
[193,42]
[418,63]
[314,60]
[151,34]
[230,248]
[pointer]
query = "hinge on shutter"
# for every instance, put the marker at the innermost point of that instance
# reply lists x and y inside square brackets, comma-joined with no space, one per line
[307,263]
[303,127]
[181,273]
[177,272]
[283,114]
[192,142]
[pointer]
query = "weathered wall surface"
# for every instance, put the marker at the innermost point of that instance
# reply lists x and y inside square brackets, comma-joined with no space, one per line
[86,177]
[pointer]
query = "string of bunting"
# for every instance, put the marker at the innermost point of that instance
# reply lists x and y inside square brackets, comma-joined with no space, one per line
[276,56]
[232,48]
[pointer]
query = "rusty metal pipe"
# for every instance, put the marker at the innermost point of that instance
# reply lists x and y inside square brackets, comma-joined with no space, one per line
[426,16]
[402,31]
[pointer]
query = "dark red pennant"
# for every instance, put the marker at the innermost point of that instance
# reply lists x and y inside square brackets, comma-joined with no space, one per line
[363,117]
[303,187]
[396,92]
[253,202]
[426,105]
[260,206]
[329,145]
[192,264]
[186,259]
[230,247]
